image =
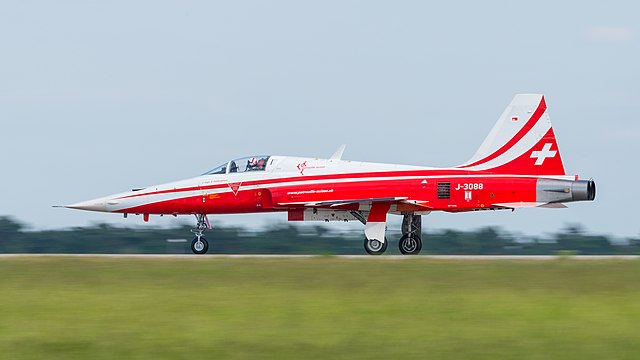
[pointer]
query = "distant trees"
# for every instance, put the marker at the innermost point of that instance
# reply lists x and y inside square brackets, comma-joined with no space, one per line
[288,239]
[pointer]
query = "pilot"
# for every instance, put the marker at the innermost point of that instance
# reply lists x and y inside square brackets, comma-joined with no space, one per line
[252,164]
[233,167]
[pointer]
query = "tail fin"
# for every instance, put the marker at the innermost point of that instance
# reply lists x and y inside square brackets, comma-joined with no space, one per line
[521,142]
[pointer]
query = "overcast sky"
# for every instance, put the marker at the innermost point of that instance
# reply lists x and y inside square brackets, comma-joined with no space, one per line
[98,97]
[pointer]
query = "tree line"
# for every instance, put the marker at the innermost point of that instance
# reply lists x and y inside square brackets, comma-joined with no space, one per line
[284,238]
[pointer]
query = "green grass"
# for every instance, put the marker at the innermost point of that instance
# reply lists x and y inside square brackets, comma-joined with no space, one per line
[318,308]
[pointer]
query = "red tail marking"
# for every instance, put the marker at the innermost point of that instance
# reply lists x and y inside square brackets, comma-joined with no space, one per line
[542,107]
[531,164]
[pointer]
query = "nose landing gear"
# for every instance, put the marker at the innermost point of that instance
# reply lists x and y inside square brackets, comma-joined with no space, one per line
[199,245]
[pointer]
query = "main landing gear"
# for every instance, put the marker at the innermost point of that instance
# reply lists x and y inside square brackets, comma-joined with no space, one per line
[199,245]
[410,243]
[375,247]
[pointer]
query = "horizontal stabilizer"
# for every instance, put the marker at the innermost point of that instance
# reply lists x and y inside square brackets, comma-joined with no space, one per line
[554,206]
[522,205]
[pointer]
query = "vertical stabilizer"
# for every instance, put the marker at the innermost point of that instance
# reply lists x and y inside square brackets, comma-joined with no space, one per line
[521,142]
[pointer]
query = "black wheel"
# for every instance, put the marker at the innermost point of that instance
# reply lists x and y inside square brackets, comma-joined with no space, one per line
[410,245]
[375,247]
[199,246]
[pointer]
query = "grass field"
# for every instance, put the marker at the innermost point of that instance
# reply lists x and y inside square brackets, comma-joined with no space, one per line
[318,308]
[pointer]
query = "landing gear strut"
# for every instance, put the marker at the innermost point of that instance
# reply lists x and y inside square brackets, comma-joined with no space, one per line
[410,242]
[199,245]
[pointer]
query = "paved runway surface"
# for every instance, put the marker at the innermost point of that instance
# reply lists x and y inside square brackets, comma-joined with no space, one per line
[359,257]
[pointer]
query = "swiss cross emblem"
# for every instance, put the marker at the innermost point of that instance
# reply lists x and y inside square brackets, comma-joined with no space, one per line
[543,154]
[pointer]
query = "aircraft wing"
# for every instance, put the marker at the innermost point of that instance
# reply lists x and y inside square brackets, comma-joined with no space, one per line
[424,204]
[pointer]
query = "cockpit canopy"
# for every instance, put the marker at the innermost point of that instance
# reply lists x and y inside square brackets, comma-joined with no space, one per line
[245,164]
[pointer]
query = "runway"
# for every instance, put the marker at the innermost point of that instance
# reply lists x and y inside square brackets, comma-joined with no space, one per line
[354,257]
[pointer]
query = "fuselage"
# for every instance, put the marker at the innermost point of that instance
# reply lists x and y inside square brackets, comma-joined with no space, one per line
[293,183]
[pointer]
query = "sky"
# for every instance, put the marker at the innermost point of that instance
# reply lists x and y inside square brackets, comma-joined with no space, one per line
[100,97]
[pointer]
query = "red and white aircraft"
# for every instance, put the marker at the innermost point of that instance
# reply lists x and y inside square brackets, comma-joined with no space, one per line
[518,165]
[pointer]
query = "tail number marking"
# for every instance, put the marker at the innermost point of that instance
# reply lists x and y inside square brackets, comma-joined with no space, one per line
[470,186]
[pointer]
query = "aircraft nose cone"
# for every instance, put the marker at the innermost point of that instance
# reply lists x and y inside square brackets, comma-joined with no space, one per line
[91,205]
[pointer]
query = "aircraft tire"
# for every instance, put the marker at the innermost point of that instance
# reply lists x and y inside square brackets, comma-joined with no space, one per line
[410,245]
[199,246]
[375,247]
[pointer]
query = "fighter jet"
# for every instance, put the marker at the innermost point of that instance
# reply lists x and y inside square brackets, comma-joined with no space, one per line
[517,166]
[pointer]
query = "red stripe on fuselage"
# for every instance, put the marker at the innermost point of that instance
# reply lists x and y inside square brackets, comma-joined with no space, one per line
[483,191]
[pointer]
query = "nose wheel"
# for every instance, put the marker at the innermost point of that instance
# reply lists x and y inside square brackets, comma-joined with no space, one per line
[199,245]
